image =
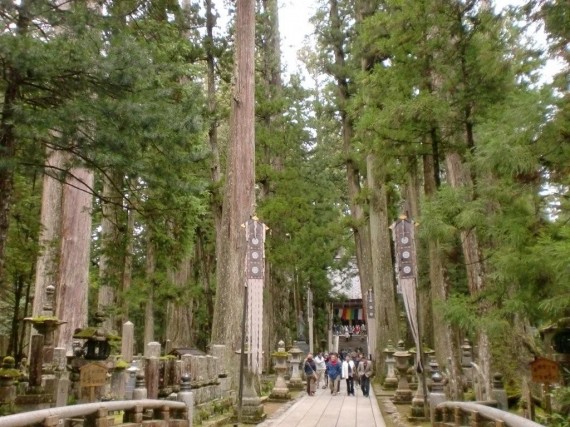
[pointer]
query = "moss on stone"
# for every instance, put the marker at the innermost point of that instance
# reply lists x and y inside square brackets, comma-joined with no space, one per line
[121,364]
[11,373]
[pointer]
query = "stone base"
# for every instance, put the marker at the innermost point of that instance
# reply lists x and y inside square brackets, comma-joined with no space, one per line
[280,394]
[402,397]
[296,384]
[252,411]
[418,410]
[417,419]
[390,384]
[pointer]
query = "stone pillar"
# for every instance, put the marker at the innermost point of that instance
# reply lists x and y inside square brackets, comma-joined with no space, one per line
[36,360]
[219,352]
[152,349]
[412,375]
[131,382]
[390,382]
[7,383]
[403,393]
[437,395]
[466,360]
[127,341]
[61,377]
[296,382]
[119,379]
[185,395]
[418,401]
[140,391]
[151,373]
[280,390]
[252,408]
[499,393]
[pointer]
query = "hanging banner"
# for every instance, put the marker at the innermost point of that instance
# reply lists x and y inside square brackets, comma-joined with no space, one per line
[406,270]
[255,274]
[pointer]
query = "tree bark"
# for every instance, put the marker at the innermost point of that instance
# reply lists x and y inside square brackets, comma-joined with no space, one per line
[73,280]
[460,178]
[128,266]
[149,305]
[47,261]
[8,142]
[179,312]
[239,196]
[271,81]
[412,210]
[382,265]
[111,263]
[445,338]
[359,224]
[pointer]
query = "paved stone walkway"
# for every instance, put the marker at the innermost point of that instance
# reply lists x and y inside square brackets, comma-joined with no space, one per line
[325,410]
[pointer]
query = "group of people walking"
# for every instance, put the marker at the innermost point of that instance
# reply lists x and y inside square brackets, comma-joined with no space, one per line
[330,370]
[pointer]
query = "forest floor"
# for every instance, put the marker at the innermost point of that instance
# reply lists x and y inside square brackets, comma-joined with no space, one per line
[396,415]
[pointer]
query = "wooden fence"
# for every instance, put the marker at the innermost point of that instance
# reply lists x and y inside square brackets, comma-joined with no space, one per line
[154,413]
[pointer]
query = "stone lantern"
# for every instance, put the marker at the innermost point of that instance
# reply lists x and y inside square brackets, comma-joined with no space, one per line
[280,390]
[391,382]
[403,393]
[97,346]
[296,382]
[8,376]
[466,362]
[437,395]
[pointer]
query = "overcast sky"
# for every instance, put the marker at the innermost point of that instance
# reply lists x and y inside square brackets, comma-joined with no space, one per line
[294,26]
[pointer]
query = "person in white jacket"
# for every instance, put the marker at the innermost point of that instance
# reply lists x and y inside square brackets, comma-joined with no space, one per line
[321,366]
[348,372]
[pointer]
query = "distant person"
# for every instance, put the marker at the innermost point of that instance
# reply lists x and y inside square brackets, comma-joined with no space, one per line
[327,360]
[321,368]
[334,371]
[365,372]
[357,359]
[310,369]
[348,373]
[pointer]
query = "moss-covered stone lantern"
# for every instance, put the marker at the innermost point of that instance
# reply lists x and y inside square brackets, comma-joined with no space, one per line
[97,342]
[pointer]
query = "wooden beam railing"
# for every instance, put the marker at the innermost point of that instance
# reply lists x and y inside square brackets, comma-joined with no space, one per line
[457,414]
[174,414]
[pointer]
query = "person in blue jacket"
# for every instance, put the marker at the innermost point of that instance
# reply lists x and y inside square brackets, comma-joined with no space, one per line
[334,370]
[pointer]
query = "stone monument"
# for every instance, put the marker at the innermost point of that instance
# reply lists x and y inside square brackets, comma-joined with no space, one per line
[280,390]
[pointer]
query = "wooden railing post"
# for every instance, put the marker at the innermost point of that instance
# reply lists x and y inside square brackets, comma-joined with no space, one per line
[446,415]
[164,413]
[475,419]
[457,416]
[51,421]
[98,419]
[134,415]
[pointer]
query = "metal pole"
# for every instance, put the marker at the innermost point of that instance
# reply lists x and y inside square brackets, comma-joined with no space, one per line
[242,355]
[310,318]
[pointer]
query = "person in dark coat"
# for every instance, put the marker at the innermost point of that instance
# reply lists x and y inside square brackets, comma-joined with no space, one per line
[365,372]
[310,369]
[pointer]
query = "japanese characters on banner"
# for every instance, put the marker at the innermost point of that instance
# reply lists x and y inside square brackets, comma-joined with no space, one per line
[255,268]
[406,272]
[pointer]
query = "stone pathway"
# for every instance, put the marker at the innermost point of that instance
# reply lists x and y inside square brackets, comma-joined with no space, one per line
[325,410]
